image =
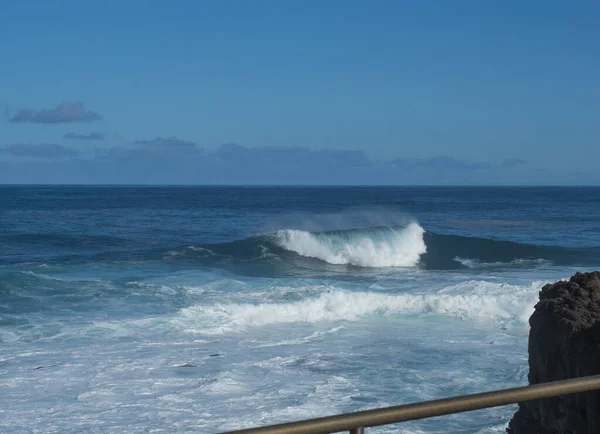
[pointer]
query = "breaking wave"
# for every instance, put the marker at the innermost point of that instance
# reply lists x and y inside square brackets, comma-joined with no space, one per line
[376,247]
[305,253]
[481,300]
[290,251]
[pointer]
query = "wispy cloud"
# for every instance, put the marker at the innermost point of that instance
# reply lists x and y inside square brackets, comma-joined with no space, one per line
[172,143]
[90,136]
[161,148]
[232,152]
[441,163]
[44,150]
[65,112]
[175,161]
[512,162]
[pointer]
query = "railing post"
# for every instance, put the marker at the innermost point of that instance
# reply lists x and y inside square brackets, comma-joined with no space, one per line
[358,430]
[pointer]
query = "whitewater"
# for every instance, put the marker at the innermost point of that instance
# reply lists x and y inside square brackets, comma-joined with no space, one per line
[133,310]
[382,247]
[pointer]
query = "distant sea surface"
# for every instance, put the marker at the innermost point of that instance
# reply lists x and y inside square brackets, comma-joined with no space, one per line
[201,309]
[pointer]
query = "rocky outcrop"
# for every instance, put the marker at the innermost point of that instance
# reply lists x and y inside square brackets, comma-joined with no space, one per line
[564,342]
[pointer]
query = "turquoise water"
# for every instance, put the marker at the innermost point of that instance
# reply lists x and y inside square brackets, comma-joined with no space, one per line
[183,309]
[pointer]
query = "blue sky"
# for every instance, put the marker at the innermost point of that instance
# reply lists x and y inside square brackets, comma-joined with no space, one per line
[431,92]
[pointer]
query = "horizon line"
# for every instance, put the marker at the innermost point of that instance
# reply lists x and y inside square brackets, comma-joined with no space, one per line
[309,185]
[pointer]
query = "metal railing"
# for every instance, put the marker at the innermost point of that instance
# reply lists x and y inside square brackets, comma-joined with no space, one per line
[355,423]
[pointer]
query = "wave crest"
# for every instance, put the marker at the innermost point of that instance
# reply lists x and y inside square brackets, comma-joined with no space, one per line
[377,247]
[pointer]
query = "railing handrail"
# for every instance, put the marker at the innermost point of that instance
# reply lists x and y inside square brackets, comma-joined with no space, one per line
[356,422]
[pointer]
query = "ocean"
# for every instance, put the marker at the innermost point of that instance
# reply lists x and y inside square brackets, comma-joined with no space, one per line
[202,309]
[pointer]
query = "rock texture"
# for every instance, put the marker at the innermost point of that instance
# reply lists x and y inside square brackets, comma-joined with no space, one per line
[564,342]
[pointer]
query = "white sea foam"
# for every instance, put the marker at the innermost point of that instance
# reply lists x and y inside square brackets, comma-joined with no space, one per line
[475,263]
[200,249]
[387,248]
[480,299]
[303,340]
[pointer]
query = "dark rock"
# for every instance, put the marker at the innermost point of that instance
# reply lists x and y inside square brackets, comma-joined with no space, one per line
[215,355]
[564,342]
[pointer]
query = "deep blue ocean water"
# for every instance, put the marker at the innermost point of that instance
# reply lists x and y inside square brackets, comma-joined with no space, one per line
[199,309]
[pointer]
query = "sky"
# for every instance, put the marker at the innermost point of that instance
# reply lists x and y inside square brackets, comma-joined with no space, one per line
[300,92]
